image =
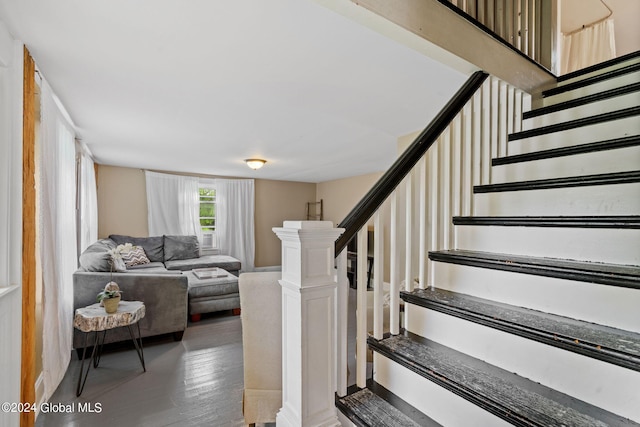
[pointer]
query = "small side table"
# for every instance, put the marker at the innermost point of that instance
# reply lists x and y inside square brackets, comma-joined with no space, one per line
[94,319]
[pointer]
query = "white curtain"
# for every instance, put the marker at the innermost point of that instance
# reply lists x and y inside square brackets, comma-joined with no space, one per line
[589,46]
[88,202]
[173,204]
[234,219]
[58,238]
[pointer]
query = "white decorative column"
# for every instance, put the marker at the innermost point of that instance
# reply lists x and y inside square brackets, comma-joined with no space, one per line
[308,324]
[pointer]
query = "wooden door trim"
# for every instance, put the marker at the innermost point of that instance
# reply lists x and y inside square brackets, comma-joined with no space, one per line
[28,364]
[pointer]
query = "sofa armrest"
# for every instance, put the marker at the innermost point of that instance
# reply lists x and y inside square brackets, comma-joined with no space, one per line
[164,296]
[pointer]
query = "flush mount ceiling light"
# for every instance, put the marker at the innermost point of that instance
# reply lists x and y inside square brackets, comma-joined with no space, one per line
[255,163]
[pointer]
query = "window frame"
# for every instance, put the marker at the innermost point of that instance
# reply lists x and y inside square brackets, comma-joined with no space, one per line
[207,229]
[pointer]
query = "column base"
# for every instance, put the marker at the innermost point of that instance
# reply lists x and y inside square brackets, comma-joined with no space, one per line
[286,418]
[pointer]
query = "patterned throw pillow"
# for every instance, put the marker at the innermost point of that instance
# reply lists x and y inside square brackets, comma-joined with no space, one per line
[135,256]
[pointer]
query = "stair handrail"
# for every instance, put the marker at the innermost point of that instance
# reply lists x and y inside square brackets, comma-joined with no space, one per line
[376,196]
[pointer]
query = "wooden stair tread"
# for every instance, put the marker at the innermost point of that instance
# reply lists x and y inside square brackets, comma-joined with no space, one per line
[563,182]
[366,408]
[588,99]
[610,144]
[513,398]
[627,276]
[605,343]
[599,66]
[591,80]
[618,221]
[573,124]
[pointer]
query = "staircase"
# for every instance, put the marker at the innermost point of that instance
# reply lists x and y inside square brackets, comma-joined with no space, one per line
[532,313]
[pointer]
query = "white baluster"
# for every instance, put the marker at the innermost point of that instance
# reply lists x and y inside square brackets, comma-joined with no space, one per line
[495,130]
[477,147]
[434,202]
[342,315]
[422,203]
[502,120]
[408,286]
[531,48]
[378,274]
[394,276]
[361,307]
[486,131]
[467,162]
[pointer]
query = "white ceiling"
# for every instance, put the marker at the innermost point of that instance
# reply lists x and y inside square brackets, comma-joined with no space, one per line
[197,86]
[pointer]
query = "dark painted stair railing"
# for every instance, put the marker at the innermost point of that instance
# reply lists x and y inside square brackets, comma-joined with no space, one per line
[381,190]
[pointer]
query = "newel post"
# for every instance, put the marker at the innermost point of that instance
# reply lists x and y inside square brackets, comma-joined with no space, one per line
[308,324]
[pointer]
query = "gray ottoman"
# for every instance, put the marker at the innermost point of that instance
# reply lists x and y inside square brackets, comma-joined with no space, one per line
[207,295]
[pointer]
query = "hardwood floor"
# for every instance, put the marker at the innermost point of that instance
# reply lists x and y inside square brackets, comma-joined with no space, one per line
[195,382]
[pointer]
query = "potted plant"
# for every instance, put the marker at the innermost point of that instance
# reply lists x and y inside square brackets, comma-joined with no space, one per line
[110,297]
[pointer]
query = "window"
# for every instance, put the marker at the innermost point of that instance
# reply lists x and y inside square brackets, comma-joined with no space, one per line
[208,215]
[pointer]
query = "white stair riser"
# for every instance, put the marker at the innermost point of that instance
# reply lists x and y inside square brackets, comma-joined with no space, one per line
[601,71]
[608,386]
[438,403]
[597,162]
[618,246]
[607,305]
[593,133]
[600,107]
[623,80]
[620,199]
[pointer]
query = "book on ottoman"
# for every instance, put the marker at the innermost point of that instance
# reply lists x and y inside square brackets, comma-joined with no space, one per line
[209,273]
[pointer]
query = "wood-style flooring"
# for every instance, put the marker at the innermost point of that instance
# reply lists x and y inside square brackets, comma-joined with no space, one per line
[195,382]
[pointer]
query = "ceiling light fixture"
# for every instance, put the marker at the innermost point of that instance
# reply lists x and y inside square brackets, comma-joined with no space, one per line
[255,163]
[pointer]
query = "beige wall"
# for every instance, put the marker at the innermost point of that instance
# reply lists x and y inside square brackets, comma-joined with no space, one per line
[122,201]
[122,208]
[341,195]
[277,201]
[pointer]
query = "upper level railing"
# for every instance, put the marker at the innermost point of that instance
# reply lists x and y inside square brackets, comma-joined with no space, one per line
[527,25]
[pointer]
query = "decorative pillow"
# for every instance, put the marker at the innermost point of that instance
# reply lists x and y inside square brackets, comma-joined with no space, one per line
[97,257]
[153,246]
[135,256]
[181,247]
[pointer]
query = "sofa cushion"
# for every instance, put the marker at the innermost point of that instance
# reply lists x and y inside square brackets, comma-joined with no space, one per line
[153,246]
[225,262]
[97,256]
[180,248]
[135,256]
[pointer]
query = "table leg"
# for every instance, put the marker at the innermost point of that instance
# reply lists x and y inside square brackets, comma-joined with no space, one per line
[137,343]
[100,343]
[82,381]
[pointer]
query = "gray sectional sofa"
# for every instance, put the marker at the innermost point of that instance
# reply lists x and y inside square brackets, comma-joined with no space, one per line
[160,283]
